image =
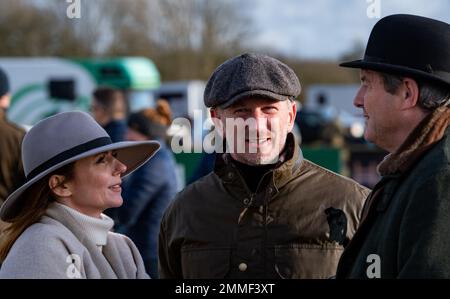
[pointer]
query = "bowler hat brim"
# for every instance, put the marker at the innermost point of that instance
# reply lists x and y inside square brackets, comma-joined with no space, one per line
[441,77]
[131,153]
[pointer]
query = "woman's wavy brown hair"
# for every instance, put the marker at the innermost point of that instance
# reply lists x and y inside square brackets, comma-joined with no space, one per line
[35,202]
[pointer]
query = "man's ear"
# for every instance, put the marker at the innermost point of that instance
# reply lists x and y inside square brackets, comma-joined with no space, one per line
[292,113]
[216,117]
[214,113]
[409,94]
[59,186]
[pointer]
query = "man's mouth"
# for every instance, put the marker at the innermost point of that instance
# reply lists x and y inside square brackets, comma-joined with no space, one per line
[258,141]
[366,116]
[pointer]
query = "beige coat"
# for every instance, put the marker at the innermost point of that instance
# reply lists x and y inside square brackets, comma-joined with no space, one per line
[56,247]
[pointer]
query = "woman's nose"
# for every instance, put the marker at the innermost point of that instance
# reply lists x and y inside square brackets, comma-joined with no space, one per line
[120,168]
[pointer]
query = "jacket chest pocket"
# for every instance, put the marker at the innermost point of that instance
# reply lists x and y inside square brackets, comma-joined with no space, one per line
[205,263]
[307,260]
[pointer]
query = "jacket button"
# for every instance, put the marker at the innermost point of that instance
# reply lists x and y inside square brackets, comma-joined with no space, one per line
[230,175]
[246,201]
[242,267]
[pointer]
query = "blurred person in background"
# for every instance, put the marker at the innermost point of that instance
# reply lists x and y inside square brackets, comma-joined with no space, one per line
[109,109]
[11,135]
[150,189]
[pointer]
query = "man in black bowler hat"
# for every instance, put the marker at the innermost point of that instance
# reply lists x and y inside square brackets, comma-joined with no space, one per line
[405,98]
[265,211]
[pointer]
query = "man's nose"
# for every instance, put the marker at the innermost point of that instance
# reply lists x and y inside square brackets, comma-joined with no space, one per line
[358,101]
[260,119]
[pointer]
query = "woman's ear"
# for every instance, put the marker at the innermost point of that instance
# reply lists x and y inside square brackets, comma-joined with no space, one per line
[59,186]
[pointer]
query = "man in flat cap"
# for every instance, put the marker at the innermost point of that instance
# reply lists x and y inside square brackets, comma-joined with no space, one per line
[11,169]
[265,211]
[405,97]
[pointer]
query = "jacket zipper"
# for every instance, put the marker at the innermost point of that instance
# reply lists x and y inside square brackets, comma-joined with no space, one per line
[265,239]
[265,214]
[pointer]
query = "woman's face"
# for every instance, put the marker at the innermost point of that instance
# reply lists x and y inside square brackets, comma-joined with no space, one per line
[96,184]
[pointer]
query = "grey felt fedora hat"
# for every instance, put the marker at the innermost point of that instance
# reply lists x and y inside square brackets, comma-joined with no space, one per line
[65,138]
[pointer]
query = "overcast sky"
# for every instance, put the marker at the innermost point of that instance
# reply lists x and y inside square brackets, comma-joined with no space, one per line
[326,29]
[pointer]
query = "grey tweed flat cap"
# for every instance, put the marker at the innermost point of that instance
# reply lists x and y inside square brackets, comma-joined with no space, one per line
[250,75]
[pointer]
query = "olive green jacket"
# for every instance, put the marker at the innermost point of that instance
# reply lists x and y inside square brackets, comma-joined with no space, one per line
[294,226]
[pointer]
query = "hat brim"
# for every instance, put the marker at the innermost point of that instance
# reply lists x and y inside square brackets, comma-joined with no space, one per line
[131,153]
[254,93]
[394,69]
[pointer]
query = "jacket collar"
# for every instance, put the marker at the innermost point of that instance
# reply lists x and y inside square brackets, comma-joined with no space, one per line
[429,131]
[291,163]
[287,166]
[108,263]
[92,229]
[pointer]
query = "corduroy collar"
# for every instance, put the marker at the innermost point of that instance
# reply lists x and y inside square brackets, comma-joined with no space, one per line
[429,131]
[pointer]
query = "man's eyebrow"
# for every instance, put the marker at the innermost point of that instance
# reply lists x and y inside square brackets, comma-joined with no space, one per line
[237,105]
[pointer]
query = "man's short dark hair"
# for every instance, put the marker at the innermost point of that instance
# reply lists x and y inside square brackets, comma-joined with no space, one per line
[4,83]
[110,98]
[431,94]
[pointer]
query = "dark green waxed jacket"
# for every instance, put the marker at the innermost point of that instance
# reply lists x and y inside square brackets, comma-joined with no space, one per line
[294,226]
[406,233]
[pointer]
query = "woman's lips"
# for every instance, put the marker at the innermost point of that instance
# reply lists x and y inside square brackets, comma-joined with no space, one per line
[116,188]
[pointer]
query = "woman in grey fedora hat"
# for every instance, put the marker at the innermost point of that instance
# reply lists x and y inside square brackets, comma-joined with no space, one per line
[74,173]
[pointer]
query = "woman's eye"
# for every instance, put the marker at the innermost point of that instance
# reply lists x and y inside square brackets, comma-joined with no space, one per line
[115,154]
[101,159]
